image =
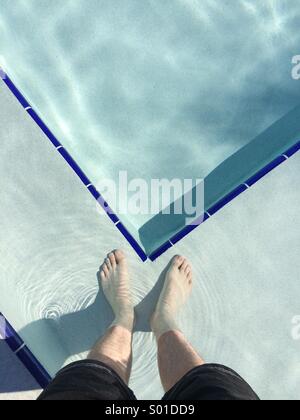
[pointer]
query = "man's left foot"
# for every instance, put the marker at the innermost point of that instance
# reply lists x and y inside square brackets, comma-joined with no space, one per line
[115,283]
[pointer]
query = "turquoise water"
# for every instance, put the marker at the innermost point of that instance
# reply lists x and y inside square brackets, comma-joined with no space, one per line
[160,89]
[245,260]
[105,79]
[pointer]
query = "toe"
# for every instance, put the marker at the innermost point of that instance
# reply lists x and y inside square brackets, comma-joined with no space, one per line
[112,259]
[108,264]
[177,261]
[190,278]
[184,265]
[188,269]
[105,270]
[119,256]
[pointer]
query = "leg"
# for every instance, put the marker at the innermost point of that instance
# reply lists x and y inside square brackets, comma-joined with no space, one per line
[105,375]
[176,357]
[183,373]
[115,348]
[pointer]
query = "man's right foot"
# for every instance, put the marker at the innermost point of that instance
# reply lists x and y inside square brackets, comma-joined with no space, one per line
[116,287]
[176,291]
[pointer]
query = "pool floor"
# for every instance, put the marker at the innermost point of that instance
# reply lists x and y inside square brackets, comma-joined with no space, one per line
[245,259]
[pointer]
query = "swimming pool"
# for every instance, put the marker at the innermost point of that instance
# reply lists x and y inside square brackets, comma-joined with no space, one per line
[153,93]
[167,90]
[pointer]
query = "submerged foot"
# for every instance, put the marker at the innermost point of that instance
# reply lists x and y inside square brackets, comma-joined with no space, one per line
[115,283]
[176,291]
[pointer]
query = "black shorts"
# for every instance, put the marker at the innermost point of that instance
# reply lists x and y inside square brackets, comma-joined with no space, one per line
[95,381]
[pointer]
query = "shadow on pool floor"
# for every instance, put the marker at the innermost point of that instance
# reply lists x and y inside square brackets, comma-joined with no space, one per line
[77,332]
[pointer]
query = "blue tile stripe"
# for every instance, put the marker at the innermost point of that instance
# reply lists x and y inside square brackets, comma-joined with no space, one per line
[35,368]
[293,150]
[17,345]
[10,335]
[44,128]
[95,193]
[114,218]
[74,166]
[14,90]
[178,237]
[68,158]
[266,170]
[132,242]
[160,251]
[187,229]
[226,200]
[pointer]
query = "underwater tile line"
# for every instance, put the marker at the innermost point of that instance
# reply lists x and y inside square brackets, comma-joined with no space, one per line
[11,337]
[68,158]
[19,348]
[226,200]
[113,217]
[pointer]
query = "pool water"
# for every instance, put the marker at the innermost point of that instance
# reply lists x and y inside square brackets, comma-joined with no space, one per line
[245,260]
[158,89]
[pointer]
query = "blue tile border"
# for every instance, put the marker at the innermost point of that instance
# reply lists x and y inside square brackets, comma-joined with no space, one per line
[19,348]
[226,200]
[114,218]
[293,150]
[132,242]
[44,128]
[35,368]
[71,162]
[95,193]
[160,251]
[14,90]
[188,229]
[265,171]
[11,337]
[68,158]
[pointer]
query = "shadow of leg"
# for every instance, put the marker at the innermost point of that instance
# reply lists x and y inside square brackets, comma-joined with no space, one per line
[146,307]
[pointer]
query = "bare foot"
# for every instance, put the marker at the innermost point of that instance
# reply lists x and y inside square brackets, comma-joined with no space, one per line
[115,283]
[176,291]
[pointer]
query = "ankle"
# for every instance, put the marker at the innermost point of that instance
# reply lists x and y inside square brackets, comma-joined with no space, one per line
[125,318]
[162,323]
